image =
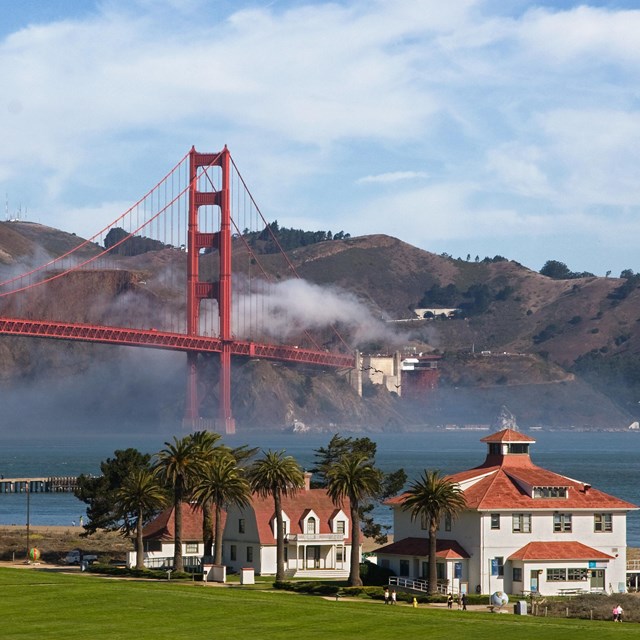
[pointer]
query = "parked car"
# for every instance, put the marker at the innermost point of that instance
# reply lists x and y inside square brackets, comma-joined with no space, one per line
[76,556]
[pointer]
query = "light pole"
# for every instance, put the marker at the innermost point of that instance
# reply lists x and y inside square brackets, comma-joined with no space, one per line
[28,516]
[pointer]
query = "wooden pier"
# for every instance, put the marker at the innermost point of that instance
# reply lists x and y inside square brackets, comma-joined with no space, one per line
[52,484]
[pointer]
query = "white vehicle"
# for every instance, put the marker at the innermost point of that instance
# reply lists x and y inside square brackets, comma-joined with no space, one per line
[76,556]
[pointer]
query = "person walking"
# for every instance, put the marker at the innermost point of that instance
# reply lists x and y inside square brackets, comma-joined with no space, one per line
[450,601]
[463,599]
[618,611]
[394,597]
[386,595]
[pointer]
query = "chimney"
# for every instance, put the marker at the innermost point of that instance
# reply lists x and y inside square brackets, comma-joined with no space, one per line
[307,480]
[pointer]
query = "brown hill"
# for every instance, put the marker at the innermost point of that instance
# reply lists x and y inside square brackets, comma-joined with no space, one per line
[539,332]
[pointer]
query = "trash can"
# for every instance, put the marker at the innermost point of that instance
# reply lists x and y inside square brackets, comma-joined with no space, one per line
[520,608]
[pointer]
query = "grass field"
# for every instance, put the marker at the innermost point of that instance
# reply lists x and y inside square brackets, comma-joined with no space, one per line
[48,604]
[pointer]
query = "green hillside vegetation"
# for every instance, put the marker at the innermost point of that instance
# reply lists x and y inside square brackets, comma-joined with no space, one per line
[566,342]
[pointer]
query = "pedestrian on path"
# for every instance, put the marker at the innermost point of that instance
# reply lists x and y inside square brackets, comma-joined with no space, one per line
[386,595]
[394,597]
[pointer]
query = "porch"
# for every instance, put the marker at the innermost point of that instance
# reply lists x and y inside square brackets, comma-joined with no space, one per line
[317,555]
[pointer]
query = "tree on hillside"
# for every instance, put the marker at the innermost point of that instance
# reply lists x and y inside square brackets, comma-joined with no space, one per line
[99,491]
[222,484]
[276,475]
[177,465]
[433,497]
[139,498]
[352,477]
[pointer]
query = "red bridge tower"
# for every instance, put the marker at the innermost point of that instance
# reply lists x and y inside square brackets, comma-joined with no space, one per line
[220,290]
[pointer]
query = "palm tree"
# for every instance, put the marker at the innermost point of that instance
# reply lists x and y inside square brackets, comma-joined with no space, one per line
[276,475]
[222,484]
[353,477]
[177,465]
[432,497]
[205,444]
[140,495]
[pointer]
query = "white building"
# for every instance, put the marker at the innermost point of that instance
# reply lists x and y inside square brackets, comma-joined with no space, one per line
[525,529]
[317,536]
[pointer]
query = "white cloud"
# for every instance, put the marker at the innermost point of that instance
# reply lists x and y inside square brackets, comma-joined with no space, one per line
[511,117]
[391,177]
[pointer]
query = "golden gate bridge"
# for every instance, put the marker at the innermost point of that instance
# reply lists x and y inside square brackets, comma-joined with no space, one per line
[209,295]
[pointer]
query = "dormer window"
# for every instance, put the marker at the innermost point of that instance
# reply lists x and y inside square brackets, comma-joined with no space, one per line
[549,492]
[311,526]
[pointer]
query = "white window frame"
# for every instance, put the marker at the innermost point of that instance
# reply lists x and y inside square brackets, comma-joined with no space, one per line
[602,522]
[521,523]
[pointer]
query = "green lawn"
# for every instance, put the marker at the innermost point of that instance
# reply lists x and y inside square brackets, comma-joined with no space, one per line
[44,604]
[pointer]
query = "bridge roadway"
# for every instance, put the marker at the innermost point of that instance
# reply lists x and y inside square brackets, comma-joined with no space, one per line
[152,339]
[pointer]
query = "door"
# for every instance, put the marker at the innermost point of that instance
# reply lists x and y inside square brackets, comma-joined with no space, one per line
[533,583]
[597,579]
[313,557]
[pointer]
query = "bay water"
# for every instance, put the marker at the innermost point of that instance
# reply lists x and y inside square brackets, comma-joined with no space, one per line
[609,461]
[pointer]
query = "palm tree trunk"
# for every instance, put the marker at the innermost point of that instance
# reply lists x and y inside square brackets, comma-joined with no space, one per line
[207,528]
[139,542]
[178,563]
[433,569]
[354,571]
[279,537]
[218,536]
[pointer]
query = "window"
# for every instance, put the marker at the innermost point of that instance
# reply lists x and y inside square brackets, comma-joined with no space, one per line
[311,526]
[234,552]
[518,447]
[241,525]
[284,528]
[562,523]
[249,554]
[556,575]
[154,545]
[500,563]
[549,492]
[575,575]
[494,448]
[340,526]
[404,567]
[495,520]
[286,555]
[521,523]
[191,547]
[447,522]
[339,554]
[517,574]
[602,522]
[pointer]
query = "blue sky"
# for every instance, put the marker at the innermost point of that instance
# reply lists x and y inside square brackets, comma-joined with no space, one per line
[469,127]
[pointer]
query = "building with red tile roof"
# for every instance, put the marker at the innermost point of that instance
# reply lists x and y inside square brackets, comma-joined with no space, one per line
[317,536]
[525,529]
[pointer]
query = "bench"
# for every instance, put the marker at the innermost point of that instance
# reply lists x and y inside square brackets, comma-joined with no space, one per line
[571,592]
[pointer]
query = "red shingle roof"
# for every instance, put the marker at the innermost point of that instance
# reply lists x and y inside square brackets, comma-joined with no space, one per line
[448,549]
[558,551]
[163,527]
[508,435]
[501,479]
[296,508]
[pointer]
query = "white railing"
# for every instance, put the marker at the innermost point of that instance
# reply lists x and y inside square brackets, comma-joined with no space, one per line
[415,584]
[315,537]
